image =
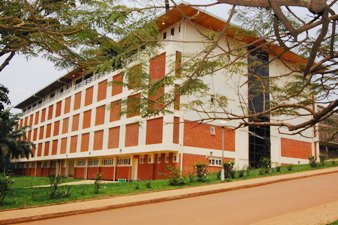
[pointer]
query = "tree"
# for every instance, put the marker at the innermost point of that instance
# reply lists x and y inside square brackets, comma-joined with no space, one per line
[271,24]
[73,34]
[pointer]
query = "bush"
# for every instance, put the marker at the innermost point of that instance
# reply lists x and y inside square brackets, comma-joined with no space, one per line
[201,172]
[241,173]
[148,184]
[192,178]
[312,161]
[97,183]
[54,189]
[322,159]
[229,170]
[5,185]
[265,164]
[137,186]
[174,176]
[278,169]
[290,168]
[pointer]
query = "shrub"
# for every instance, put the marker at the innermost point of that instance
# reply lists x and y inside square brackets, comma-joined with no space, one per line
[192,178]
[148,184]
[322,159]
[333,162]
[174,176]
[201,172]
[97,183]
[54,189]
[137,186]
[229,170]
[5,185]
[290,168]
[265,164]
[278,169]
[241,173]
[312,161]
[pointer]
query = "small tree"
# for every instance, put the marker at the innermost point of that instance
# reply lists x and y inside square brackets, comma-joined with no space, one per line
[5,185]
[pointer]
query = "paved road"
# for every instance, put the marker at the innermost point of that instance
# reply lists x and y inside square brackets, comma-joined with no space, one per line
[244,206]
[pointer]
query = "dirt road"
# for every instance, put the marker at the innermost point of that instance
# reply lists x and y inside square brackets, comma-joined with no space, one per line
[244,206]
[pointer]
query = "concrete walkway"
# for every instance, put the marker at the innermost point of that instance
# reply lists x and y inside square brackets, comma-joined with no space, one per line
[53,211]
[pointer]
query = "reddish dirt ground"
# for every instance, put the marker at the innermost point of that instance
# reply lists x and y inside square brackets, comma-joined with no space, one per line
[244,206]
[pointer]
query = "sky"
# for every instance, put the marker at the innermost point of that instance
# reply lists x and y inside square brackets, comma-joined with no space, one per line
[24,77]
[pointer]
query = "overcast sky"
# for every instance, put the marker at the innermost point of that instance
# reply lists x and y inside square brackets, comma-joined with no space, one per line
[25,77]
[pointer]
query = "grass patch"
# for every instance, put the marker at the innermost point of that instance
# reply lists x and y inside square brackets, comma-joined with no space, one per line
[22,193]
[334,223]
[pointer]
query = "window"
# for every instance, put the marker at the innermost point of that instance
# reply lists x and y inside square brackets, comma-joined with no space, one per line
[52,95]
[167,158]
[150,159]
[172,31]
[53,164]
[142,159]
[159,158]
[175,158]
[80,163]
[93,162]
[164,35]
[107,162]
[215,162]
[45,164]
[32,165]
[123,162]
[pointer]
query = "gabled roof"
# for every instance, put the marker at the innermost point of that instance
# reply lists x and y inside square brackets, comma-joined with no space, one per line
[166,20]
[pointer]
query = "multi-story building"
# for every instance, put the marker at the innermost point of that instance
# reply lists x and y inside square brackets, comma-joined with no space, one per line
[78,129]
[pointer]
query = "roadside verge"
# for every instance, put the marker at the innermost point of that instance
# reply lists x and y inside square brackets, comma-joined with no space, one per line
[67,209]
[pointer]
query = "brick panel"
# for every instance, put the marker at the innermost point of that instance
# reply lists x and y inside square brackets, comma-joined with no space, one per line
[48,130]
[131,138]
[58,109]
[31,120]
[133,105]
[157,67]
[102,90]
[36,121]
[56,128]
[123,172]
[107,172]
[89,96]
[113,137]
[295,149]
[176,130]
[87,116]
[29,135]
[117,85]
[35,134]
[98,140]
[41,132]
[84,142]
[75,122]
[46,149]
[198,135]
[50,112]
[25,123]
[67,105]
[154,131]
[115,111]
[135,76]
[54,147]
[43,115]
[100,115]
[79,172]
[39,149]
[190,160]
[63,148]
[65,125]
[73,144]
[145,170]
[77,101]
[92,171]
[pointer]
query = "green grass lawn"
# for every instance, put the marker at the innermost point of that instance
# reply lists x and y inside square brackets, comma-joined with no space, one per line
[23,195]
[334,223]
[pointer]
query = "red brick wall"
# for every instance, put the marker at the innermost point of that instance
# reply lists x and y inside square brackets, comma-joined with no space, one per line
[190,160]
[133,105]
[63,146]
[107,173]
[98,140]
[157,67]
[154,131]
[114,137]
[115,111]
[89,96]
[77,101]
[56,128]
[132,131]
[48,130]
[117,84]
[46,149]
[198,135]
[79,172]
[123,172]
[84,142]
[87,115]
[65,124]
[102,90]
[75,123]
[100,114]
[39,149]
[73,144]
[176,130]
[31,120]
[295,149]
[145,170]
[36,118]
[50,112]
[58,109]
[43,115]
[54,147]
[41,132]
[67,105]
[92,171]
